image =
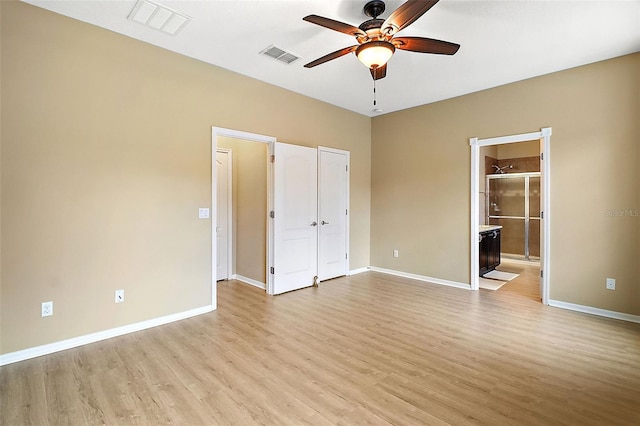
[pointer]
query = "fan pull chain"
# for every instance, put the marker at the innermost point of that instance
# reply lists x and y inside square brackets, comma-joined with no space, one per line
[374,92]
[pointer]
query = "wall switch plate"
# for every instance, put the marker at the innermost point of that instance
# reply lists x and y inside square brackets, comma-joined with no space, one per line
[119,296]
[47,309]
[203,213]
[611,283]
[396,253]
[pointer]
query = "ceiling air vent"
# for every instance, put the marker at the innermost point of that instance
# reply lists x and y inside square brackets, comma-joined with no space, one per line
[158,17]
[280,55]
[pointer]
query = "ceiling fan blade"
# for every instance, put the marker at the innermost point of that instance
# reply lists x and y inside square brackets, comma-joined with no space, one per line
[378,73]
[405,15]
[335,25]
[425,45]
[330,56]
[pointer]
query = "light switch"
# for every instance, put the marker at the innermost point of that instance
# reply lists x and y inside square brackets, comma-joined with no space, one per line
[203,213]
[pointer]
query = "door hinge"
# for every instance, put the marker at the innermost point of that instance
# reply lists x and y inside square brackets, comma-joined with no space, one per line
[541,273]
[346,255]
[272,270]
[346,168]
[542,215]
[272,214]
[273,158]
[346,212]
[541,156]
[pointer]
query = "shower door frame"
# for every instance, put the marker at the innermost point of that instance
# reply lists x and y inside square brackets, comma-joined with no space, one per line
[544,136]
[527,214]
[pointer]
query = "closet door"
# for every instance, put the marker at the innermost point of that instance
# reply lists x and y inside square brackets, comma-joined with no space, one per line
[295,254]
[333,187]
[223,209]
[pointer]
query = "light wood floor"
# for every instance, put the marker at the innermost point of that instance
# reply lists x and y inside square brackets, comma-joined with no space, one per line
[527,284]
[368,349]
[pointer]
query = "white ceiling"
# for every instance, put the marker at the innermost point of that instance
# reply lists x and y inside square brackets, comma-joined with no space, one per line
[502,41]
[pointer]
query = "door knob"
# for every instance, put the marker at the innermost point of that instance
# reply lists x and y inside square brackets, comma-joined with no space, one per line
[325,223]
[314,223]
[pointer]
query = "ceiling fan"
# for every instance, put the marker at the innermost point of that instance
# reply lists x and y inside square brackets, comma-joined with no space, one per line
[375,37]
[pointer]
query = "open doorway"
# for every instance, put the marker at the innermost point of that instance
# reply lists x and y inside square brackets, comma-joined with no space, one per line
[246,211]
[258,145]
[509,236]
[510,198]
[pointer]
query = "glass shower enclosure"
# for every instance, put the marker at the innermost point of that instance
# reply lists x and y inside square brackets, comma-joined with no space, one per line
[513,201]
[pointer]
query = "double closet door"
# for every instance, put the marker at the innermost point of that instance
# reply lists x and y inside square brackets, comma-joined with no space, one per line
[310,216]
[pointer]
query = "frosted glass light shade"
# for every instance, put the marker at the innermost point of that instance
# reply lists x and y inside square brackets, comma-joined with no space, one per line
[375,54]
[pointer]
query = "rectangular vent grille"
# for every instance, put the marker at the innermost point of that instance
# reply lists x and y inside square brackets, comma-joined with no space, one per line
[279,54]
[158,17]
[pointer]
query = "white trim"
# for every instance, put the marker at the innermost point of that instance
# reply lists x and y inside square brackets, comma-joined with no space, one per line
[250,281]
[545,135]
[474,282]
[545,260]
[594,311]
[359,270]
[237,134]
[74,342]
[523,137]
[420,277]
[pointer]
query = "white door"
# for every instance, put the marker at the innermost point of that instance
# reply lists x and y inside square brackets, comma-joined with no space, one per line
[223,208]
[333,186]
[295,253]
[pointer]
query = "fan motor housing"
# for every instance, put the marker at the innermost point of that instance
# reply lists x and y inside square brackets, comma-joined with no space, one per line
[374,8]
[371,24]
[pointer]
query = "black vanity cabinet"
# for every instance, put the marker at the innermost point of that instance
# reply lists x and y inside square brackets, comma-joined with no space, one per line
[489,250]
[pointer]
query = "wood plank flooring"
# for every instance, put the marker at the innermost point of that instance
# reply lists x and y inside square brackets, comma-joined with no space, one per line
[367,349]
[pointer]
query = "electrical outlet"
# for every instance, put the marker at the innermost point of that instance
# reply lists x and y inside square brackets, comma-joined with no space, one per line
[611,283]
[47,309]
[119,296]
[396,253]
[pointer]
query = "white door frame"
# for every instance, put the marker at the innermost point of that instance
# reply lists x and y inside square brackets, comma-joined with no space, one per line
[545,136]
[229,154]
[254,137]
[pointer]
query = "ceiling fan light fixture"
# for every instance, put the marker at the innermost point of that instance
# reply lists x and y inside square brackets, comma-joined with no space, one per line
[375,54]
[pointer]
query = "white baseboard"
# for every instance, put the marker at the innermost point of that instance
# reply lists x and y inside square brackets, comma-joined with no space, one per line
[74,342]
[250,281]
[595,311]
[421,278]
[358,271]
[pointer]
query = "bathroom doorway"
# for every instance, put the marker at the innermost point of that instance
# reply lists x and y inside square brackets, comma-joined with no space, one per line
[514,209]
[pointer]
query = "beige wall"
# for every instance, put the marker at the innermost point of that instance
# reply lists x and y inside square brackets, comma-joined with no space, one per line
[106,147]
[518,150]
[106,158]
[249,207]
[420,179]
[485,151]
